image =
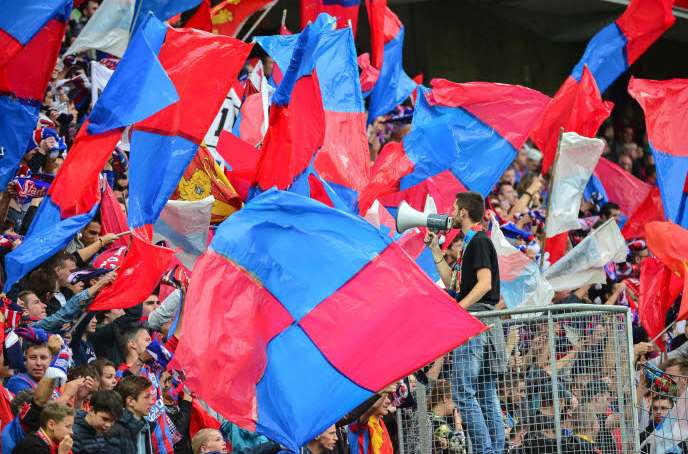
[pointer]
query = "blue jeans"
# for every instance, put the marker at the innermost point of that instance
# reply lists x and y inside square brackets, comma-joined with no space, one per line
[475,390]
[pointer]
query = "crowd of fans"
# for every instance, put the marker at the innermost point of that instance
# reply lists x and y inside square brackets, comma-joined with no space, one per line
[98,382]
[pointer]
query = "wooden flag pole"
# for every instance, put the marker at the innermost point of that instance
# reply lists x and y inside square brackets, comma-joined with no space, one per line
[549,198]
[259,20]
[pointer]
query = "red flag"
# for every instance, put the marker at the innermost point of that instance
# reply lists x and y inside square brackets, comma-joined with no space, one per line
[201,19]
[230,16]
[76,187]
[112,217]
[669,243]
[577,107]
[369,73]
[376,19]
[140,272]
[621,186]
[650,210]
[200,419]
[242,159]
[557,246]
[659,288]
[390,165]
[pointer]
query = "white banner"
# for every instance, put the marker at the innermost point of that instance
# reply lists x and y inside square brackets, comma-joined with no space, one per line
[107,30]
[584,264]
[575,164]
[100,75]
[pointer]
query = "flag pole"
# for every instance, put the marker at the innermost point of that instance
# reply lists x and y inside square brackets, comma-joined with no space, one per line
[549,198]
[284,17]
[668,327]
[259,20]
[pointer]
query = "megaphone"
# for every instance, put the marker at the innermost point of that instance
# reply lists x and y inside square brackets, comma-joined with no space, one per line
[408,218]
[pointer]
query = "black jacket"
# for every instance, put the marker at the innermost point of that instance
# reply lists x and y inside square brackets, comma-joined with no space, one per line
[181,417]
[106,339]
[86,439]
[31,444]
[122,438]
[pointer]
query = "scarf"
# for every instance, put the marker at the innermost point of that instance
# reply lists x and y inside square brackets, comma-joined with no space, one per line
[380,442]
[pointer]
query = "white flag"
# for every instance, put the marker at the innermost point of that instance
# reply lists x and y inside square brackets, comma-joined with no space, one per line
[100,76]
[520,280]
[577,159]
[107,30]
[184,225]
[584,264]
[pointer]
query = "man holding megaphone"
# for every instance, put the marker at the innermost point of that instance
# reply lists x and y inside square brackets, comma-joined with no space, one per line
[476,287]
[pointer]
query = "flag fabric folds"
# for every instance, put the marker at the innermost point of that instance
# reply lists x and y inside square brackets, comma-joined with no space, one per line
[473,130]
[521,283]
[107,30]
[618,45]
[669,243]
[393,85]
[659,288]
[649,210]
[664,105]
[344,11]
[194,70]
[162,9]
[577,107]
[70,204]
[577,159]
[260,275]
[584,264]
[343,160]
[31,32]
[616,185]
[184,226]
[113,219]
[138,275]
[297,119]
[229,16]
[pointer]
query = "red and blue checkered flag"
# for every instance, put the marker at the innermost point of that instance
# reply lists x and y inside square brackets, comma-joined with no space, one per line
[307,311]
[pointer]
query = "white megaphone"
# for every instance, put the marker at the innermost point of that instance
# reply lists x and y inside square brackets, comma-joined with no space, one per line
[408,218]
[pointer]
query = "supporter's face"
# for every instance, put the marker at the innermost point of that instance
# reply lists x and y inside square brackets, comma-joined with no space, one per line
[509,176]
[609,132]
[100,421]
[660,409]
[142,405]
[141,341]
[328,439]
[61,429]
[151,303]
[602,402]
[35,308]
[615,214]
[90,233]
[627,135]
[626,163]
[108,381]
[91,8]
[519,392]
[381,407]
[215,444]
[508,193]
[522,158]
[91,328]
[268,65]
[37,362]
[63,271]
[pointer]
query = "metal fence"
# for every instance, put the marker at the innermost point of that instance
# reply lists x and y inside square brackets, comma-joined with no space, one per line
[555,379]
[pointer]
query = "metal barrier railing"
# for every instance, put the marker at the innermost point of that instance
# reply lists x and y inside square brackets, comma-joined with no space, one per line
[554,379]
